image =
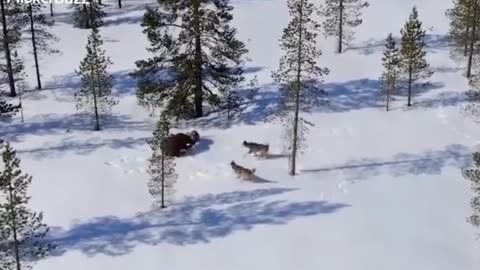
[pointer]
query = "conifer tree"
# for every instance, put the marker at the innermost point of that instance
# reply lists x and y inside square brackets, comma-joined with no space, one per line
[22,230]
[40,35]
[87,16]
[459,31]
[342,16]
[472,109]
[414,64]
[473,175]
[463,33]
[232,102]
[299,74]
[20,79]
[12,22]
[193,67]
[161,166]
[95,94]
[391,64]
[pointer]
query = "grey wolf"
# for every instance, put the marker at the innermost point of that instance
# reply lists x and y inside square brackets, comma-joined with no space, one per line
[259,150]
[242,172]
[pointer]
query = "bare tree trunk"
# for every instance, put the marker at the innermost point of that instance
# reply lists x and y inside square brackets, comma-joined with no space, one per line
[87,23]
[34,45]
[409,85]
[389,82]
[95,105]
[198,92]
[473,38]
[340,27]
[90,15]
[297,94]
[51,9]
[465,49]
[163,181]
[6,47]
[20,103]
[14,228]
[119,3]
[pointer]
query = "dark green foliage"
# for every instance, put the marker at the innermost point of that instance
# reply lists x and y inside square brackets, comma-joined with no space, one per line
[89,15]
[7,110]
[414,63]
[391,63]
[299,74]
[460,27]
[463,33]
[22,231]
[161,166]
[236,98]
[95,95]
[473,175]
[13,20]
[191,68]
[472,109]
[342,16]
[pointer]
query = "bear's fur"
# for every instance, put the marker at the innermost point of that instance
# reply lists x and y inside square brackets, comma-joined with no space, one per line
[178,144]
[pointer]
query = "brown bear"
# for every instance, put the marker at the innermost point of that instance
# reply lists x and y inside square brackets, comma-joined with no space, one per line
[178,144]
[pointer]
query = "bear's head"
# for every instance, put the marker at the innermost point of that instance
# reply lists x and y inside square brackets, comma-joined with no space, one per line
[194,136]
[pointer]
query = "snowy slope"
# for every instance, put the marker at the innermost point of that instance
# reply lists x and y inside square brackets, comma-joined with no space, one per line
[377,190]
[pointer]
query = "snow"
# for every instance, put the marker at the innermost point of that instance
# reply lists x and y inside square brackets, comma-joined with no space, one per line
[376,190]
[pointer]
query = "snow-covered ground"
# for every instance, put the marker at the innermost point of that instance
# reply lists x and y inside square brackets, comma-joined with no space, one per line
[376,190]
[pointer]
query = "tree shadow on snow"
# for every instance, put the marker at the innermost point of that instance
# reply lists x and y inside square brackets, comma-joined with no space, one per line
[73,144]
[64,87]
[427,163]
[51,124]
[263,105]
[195,220]
[433,43]
[366,93]
[111,10]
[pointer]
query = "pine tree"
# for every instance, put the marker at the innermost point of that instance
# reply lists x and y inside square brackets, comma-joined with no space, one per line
[342,16]
[463,33]
[299,74]
[12,22]
[40,35]
[8,110]
[23,233]
[474,19]
[20,79]
[391,64]
[459,31]
[161,166]
[472,109]
[193,67]
[87,16]
[473,175]
[414,64]
[233,102]
[95,94]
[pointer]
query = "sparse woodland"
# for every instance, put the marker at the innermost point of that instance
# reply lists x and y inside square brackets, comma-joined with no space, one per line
[195,67]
